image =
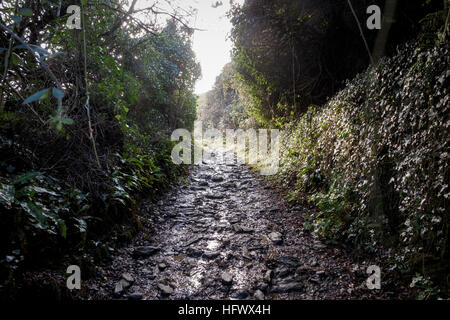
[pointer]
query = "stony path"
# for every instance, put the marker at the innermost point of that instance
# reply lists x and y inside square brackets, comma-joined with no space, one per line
[227,235]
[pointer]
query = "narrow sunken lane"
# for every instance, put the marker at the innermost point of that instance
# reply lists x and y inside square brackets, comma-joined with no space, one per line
[227,235]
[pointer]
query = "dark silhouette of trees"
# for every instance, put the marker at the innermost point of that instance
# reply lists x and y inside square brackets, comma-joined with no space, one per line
[295,53]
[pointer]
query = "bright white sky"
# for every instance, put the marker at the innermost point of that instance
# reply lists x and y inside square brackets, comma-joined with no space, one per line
[211,46]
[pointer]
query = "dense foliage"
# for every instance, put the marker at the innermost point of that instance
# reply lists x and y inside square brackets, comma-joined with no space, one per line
[83,128]
[375,160]
[291,54]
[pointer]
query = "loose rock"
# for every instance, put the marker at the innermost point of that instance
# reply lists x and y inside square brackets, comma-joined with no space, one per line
[217,179]
[143,252]
[227,278]
[128,277]
[211,255]
[259,295]
[276,237]
[287,287]
[118,290]
[166,290]
[162,266]
[268,276]
[135,296]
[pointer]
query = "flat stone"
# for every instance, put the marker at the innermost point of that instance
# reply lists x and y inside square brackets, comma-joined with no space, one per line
[162,266]
[128,277]
[319,245]
[287,287]
[268,276]
[276,237]
[321,274]
[135,296]
[302,270]
[215,196]
[193,188]
[193,240]
[211,255]
[217,179]
[179,258]
[259,295]
[241,295]
[263,287]
[283,272]
[289,261]
[247,230]
[246,253]
[227,278]
[125,284]
[230,185]
[194,253]
[118,289]
[166,290]
[171,215]
[143,252]
[237,228]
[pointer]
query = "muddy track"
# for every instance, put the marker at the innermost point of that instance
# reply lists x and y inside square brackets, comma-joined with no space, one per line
[227,235]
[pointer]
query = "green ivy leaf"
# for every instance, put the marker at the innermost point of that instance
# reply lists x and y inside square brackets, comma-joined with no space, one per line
[15,59]
[27,12]
[26,177]
[40,95]
[63,229]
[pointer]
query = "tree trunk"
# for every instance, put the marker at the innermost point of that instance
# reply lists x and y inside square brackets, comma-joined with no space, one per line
[383,35]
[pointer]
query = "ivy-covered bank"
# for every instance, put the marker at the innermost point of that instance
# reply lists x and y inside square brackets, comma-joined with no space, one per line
[375,160]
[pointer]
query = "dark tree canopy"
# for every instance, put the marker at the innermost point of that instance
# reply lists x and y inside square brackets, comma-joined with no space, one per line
[296,53]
